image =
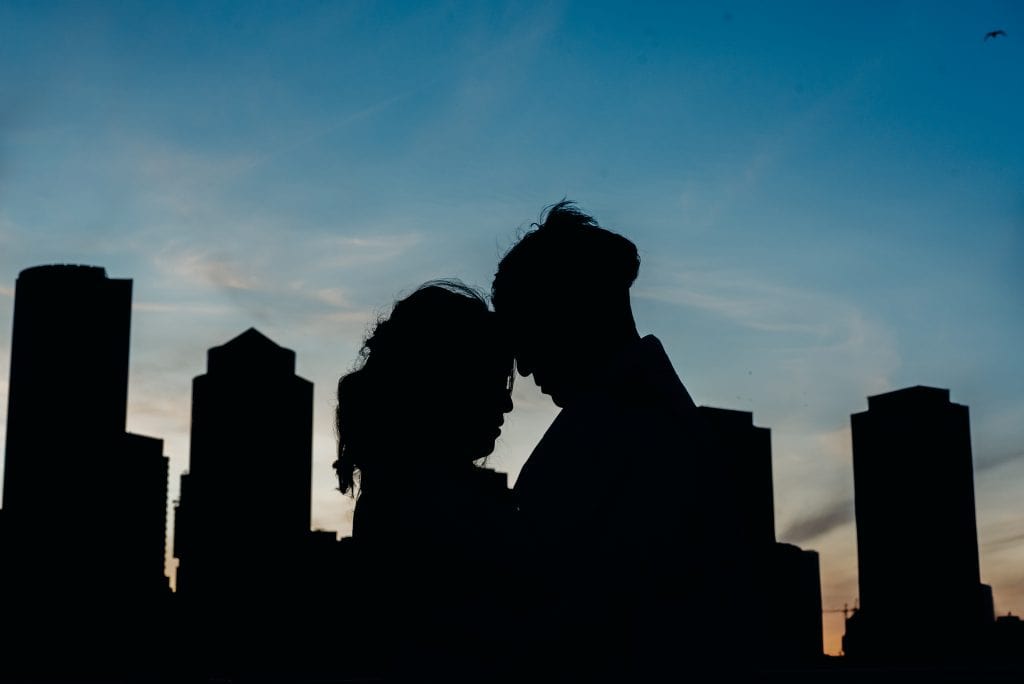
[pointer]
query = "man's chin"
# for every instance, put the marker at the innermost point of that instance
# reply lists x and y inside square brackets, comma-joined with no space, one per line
[556,399]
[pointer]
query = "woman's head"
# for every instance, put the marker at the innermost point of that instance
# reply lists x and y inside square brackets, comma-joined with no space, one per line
[433,385]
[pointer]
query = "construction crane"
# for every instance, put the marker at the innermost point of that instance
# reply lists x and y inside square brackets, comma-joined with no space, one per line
[845,610]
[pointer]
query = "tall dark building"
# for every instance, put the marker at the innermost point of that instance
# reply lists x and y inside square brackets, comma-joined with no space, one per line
[142,546]
[243,518]
[921,595]
[742,466]
[68,389]
[780,582]
[242,524]
[84,501]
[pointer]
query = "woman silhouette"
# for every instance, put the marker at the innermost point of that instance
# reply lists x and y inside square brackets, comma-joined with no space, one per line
[421,410]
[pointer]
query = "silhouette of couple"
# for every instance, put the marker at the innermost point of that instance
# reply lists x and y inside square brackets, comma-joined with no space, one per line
[580,570]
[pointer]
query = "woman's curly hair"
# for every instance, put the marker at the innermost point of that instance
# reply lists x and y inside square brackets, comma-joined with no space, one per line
[438,320]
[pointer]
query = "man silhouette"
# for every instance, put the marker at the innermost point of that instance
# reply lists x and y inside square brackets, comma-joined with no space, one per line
[602,501]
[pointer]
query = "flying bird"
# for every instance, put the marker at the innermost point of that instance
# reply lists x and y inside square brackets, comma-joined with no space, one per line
[995,34]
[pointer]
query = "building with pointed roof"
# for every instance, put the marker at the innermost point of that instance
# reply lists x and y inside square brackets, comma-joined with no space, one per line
[244,507]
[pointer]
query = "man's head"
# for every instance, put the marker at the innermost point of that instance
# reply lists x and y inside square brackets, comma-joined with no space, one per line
[562,292]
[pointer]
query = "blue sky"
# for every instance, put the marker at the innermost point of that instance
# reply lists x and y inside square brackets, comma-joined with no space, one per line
[828,199]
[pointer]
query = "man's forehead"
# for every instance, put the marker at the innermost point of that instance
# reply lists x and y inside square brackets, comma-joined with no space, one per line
[533,306]
[529,327]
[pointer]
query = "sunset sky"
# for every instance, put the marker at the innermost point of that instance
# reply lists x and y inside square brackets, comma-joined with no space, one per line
[828,199]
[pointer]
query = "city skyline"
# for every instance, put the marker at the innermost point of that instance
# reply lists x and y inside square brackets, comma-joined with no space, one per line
[909,428]
[828,206]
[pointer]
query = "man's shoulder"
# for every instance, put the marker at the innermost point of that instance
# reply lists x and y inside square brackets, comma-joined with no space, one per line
[654,372]
[642,414]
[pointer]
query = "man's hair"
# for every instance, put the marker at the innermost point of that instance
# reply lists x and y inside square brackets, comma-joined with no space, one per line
[567,252]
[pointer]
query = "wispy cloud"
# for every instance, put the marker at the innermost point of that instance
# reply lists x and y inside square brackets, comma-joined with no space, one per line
[159,406]
[1003,536]
[6,292]
[801,342]
[823,521]
[705,209]
[332,296]
[760,304]
[494,68]
[997,461]
[202,309]
[364,248]
[306,138]
[251,282]
[1006,541]
[195,266]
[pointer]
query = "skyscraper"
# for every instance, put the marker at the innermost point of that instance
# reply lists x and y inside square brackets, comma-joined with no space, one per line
[242,524]
[921,595]
[243,518]
[68,389]
[741,474]
[84,502]
[71,470]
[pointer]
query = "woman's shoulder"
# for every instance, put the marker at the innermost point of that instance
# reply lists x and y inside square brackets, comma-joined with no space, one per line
[468,497]
[388,513]
[488,480]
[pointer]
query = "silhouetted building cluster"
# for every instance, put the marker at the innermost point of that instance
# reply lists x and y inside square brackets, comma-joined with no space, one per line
[780,581]
[83,524]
